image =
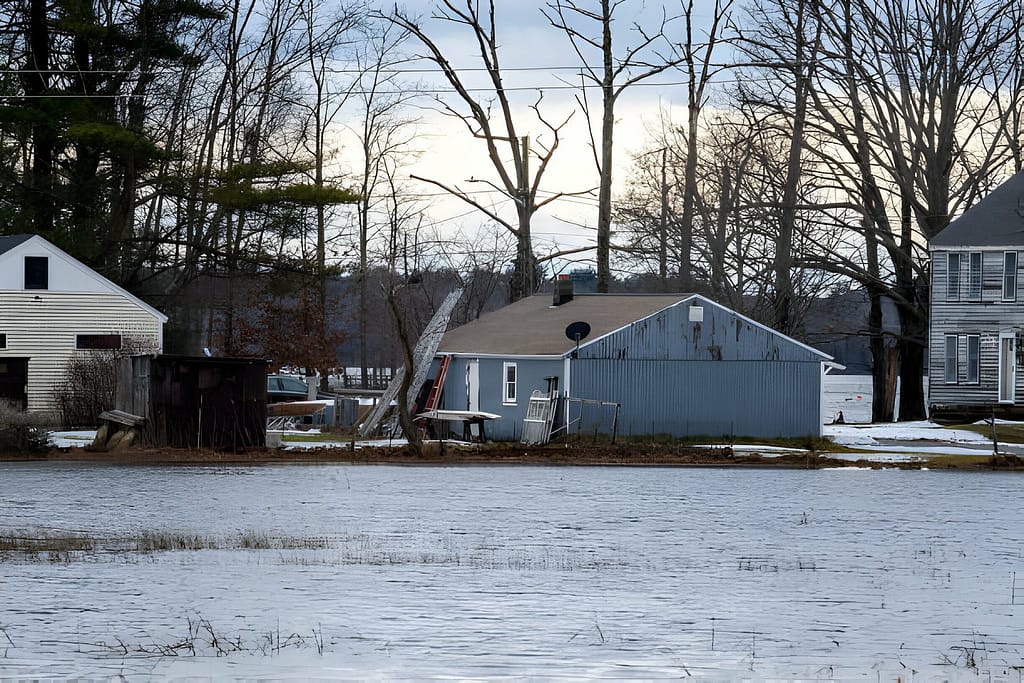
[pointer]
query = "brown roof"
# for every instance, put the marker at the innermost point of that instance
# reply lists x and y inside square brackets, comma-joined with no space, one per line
[533,327]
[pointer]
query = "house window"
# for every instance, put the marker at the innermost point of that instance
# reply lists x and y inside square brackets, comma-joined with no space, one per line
[3,341]
[951,359]
[952,276]
[98,341]
[509,383]
[973,358]
[1009,276]
[37,272]
[974,276]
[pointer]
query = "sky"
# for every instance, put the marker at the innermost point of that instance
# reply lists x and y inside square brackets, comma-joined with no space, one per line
[535,56]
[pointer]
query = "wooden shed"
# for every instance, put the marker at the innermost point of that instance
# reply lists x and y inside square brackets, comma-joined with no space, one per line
[196,402]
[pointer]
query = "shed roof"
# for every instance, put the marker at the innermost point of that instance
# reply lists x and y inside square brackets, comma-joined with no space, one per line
[8,242]
[995,221]
[533,327]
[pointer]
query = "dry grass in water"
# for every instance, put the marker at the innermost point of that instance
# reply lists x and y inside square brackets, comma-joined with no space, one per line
[39,546]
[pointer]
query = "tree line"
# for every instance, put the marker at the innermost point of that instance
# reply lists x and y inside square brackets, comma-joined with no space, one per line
[816,146]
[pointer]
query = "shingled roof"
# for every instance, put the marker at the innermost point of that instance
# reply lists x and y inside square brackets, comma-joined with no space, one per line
[8,242]
[995,221]
[533,327]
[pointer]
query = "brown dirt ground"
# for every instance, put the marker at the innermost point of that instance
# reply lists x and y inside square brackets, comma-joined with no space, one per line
[631,454]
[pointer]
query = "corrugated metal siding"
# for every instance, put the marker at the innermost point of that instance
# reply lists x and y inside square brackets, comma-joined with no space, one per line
[44,331]
[712,398]
[721,336]
[986,317]
[531,374]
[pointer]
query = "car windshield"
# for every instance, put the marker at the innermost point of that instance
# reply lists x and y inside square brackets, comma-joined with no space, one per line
[291,384]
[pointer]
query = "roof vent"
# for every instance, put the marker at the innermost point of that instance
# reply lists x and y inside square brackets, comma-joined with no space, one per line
[563,290]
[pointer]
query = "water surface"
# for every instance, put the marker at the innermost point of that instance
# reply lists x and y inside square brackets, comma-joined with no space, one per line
[519,571]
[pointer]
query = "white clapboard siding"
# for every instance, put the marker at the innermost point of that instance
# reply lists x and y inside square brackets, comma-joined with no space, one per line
[41,325]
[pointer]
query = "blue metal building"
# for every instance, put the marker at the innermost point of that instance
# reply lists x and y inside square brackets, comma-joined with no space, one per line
[676,364]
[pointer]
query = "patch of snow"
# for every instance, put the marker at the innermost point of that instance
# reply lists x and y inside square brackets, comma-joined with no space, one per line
[72,439]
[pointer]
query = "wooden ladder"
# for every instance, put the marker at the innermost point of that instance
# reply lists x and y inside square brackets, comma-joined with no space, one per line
[433,398]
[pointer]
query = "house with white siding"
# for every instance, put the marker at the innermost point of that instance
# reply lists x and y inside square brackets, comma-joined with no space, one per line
[53,307]
[976,337]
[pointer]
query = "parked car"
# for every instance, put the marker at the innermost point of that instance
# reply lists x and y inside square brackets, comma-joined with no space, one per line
[284,388]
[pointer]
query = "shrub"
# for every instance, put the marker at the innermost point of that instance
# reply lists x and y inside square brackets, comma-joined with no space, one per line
[22,432]
[90,382]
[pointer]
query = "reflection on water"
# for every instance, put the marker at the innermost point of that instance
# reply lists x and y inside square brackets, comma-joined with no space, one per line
[488,571]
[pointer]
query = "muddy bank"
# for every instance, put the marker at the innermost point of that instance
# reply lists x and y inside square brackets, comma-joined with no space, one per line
[632,454]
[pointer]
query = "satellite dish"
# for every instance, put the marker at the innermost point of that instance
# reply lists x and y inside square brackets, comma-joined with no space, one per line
[577,331]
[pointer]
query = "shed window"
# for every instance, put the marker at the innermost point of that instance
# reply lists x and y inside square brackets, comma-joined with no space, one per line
[952,276]
[1009,276]
[98,341]
[509,383]
[951,359]
[974,276]
[973,358]
[37,272]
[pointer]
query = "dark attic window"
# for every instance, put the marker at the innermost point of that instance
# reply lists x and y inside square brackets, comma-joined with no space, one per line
[37,272]
[98,341]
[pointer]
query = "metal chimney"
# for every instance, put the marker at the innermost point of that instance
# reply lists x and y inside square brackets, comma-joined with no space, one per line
[563,290]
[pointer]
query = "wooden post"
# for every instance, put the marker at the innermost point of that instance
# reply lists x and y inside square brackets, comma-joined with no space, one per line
[995,441]
[615,423]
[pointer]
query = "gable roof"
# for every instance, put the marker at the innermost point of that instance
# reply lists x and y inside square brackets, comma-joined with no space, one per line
[8,242]
[533,327]
[995,221]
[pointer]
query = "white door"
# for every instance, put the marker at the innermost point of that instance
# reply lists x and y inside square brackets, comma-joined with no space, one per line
[1007,369]
[473,385]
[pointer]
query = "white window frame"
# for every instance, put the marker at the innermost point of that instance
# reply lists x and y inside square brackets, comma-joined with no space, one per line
[508,387]
[1009,276]
[975,268]
[951,363]
[953,260]
[973,361]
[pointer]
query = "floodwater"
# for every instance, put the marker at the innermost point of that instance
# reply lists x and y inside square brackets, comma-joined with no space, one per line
[517,571]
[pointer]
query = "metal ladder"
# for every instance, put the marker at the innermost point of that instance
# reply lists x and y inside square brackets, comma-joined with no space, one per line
[434,397]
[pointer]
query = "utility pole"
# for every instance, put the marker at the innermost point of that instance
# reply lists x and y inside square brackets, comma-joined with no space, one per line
[663,225]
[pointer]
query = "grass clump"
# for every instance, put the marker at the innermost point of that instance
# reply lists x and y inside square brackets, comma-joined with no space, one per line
[21,542]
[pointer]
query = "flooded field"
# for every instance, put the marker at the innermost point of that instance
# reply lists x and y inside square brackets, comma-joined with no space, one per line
[384,572]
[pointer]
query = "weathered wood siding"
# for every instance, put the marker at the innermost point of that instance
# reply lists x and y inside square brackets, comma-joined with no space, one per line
[41,325]
[986,317]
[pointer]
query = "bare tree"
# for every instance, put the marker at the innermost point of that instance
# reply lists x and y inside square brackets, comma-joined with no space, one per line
[499,131]
[905,116]
[589,31]
[384,136]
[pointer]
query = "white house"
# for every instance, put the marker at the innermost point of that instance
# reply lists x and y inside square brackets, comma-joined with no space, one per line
[52,307]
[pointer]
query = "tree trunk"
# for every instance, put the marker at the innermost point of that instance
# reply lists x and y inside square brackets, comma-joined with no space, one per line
[405,420]
[604,200]
[36,82]
[879,360]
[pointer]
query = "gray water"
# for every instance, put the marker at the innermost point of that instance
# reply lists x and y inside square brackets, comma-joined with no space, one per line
[519,571]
